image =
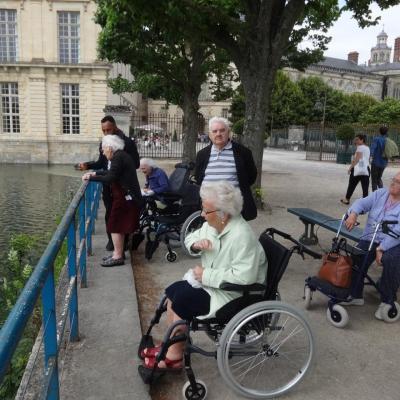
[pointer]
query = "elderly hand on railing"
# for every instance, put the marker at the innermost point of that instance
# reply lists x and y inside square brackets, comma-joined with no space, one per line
[87,176]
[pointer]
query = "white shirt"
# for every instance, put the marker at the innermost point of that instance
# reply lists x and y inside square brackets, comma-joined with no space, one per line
[364,160]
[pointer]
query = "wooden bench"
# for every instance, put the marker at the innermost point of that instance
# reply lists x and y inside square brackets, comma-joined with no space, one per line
[310,218]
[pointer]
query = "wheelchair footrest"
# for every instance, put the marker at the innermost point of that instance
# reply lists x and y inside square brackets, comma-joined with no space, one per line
[145,342]
[149,376]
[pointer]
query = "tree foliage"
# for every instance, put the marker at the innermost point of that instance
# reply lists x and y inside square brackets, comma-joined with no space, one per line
[260,36]
[384,112]
[302,102]
[167,60]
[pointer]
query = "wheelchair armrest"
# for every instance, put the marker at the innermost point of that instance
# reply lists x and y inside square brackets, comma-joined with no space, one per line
[233,287]
[170,196]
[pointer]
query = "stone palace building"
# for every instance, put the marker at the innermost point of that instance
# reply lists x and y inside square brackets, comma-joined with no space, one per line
[53,88]
[379,79]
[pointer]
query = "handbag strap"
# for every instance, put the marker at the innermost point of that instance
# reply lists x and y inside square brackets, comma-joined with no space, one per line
[338,245]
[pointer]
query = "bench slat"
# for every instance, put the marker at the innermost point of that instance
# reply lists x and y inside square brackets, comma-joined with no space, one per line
[326,221]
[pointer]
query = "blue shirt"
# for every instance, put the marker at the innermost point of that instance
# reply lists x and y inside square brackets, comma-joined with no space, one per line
[374,204]
[377,147]
[157,181]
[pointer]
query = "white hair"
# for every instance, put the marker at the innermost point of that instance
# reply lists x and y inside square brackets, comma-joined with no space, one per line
[220,120]
[148,161]
[225,197]
[113,142]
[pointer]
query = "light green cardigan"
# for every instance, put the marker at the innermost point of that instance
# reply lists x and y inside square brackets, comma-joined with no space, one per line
[236,257]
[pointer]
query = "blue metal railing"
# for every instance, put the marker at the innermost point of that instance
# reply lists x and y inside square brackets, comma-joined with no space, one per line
[82,209]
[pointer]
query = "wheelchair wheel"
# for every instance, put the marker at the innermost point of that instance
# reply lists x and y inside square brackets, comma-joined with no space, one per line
[192,223]
[391,314]
[189,393]
[171,256]
[249,336]
[338,316]
[273,364]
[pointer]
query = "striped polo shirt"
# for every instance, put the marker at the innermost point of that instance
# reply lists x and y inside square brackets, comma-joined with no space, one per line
[221,165]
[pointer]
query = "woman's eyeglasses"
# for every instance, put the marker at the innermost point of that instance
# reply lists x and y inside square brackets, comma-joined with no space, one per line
[208,212]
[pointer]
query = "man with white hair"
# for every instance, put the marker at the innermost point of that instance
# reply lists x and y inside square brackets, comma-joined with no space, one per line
[225,159]
[156,178]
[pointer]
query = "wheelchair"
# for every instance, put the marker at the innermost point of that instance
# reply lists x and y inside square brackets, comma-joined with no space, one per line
[170,217]
[336,314]
[264,347]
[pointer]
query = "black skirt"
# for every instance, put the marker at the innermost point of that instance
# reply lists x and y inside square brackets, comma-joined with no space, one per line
[188,302]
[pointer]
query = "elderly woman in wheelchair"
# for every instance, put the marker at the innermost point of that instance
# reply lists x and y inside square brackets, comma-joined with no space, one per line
[228,288]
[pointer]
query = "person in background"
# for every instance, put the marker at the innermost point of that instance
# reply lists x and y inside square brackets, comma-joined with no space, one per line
[156,178]
[359,169]
[378,162]
[126,197]
[381,205]
[224,159]
[109,127]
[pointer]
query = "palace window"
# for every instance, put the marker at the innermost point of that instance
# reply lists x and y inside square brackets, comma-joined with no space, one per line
[70,108]
[8,35]
[225,112]
[9,107]
[68,37]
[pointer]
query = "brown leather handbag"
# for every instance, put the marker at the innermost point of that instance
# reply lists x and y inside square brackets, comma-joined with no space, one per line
[336,269]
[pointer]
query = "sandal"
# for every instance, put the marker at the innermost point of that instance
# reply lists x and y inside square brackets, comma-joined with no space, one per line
[170,365]
[112,262]
[151,352]
[347,202]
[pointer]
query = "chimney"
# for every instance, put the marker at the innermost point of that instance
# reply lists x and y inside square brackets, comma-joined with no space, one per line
[353,57]
[396,53]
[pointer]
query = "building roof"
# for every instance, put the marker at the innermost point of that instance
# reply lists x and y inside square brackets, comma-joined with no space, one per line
[337,64]
[384,67]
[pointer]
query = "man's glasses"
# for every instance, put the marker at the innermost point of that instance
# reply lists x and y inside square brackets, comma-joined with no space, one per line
[395,181]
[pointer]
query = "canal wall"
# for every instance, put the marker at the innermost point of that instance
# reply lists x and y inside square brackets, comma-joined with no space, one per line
[51,151]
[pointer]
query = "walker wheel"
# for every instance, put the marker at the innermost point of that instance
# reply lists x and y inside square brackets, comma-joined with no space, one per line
[307,297]
[171,256]
[391,314]
[189,393]
[337,316]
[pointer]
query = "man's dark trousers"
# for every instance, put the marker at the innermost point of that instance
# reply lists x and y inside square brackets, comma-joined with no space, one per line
[376,177]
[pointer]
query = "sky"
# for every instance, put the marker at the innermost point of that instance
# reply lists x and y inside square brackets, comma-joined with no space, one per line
[347,36]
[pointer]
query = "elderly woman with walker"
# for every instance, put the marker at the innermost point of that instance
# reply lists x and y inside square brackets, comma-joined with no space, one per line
[381,205]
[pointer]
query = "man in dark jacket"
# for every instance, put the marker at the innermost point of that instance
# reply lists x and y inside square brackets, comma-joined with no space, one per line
[225,159]
[109,127]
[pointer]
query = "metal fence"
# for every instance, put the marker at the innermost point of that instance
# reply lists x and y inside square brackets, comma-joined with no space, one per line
[160,135]
[320,143]
[78,220]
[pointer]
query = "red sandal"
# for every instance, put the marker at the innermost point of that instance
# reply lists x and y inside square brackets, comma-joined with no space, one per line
[151,352]
[170,365]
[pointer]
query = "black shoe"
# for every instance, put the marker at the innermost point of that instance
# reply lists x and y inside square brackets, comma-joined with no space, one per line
[137,238]
[110,246]
[113,262]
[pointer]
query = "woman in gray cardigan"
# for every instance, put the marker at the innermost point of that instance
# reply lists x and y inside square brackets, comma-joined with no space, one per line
[230,252]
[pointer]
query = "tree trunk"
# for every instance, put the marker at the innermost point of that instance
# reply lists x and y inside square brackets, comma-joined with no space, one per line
[258,88]
[190,104]
[190,126]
